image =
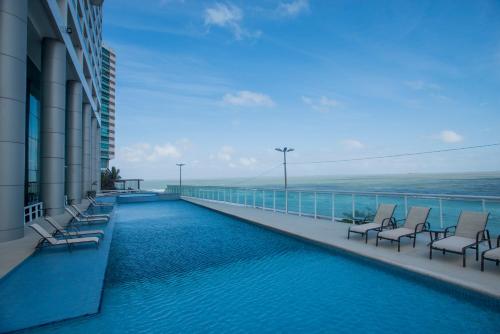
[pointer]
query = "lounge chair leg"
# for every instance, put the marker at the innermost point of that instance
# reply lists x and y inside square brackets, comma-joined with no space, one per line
[463,260]
[376,241]
[366,237]
[482,262]
[477,252]
[399,244]
[348,233]
[430,252]
[444,251]
[414,240]
[498,262]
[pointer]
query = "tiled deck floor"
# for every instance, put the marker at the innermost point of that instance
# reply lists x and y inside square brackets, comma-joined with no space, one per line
[54,284]
[446,268]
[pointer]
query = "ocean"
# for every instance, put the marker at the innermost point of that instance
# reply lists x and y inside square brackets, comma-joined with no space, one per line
[480,184]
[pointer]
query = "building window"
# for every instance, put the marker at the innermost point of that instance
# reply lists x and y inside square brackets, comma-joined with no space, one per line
[32,187]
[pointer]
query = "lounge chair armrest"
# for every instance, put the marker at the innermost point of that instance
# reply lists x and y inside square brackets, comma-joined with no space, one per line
[498,241]
[483,234]
[420,227]
[388,222]
[447,230]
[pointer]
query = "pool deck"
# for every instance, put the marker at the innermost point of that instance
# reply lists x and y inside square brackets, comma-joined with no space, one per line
[52,284]
[447,268]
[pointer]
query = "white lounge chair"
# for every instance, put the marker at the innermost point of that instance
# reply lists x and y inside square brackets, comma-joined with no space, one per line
[83,220]
[48,239]
[383,219]
[75,231]
[415,222]
[470,231]
[84,215]
[491,255]
[95,203]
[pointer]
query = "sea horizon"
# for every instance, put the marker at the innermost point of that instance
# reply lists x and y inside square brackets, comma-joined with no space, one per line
[454,183]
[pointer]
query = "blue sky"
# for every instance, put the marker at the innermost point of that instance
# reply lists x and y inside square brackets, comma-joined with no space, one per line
[220,84]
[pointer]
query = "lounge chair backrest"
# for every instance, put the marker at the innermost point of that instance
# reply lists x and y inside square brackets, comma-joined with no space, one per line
[40,230]
[384,212]
[469,223]
[417,215]
[72,213]
[77,209]
[54,223]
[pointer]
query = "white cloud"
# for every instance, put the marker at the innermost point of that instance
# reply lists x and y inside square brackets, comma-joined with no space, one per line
[323,104]
[449,136]
[245,98]
[163,151]
[225,153]
[147,152]
[228,16]
[422,85]
[352,144]
[247,162]
[293,8]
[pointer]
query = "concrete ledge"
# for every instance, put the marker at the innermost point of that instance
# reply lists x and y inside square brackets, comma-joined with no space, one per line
[446,268]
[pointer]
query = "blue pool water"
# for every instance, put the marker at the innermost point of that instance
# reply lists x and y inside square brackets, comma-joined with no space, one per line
[175,267]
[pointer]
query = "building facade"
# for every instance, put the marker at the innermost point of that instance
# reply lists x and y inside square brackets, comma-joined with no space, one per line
[108,88]
[50,102]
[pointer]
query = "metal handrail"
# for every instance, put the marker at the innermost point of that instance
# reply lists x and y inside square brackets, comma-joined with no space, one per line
[353,192]
[33,212]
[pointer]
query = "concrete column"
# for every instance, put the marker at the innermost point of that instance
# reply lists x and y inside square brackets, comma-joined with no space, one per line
[74,142]
[13,48]
[86,178]
[98,159]
[93,155]
[53,125]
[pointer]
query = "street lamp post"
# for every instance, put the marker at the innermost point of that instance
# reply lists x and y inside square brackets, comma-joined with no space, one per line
[285,150]
[180,177]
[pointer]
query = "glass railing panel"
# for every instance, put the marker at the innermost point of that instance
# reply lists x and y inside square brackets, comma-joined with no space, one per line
[280,200]
[493,207]
[365,205]
[324,205]
[293,202]
[343,207]
[307,203]
[268,199]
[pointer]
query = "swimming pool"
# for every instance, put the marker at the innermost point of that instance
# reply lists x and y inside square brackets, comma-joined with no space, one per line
[175,267]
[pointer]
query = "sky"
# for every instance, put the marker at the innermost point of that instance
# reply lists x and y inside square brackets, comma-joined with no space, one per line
[219,85]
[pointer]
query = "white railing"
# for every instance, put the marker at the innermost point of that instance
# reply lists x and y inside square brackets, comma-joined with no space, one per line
[347,206]
[33,212]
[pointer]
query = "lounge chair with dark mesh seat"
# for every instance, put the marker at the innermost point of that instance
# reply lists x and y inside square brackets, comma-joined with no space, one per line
[50,240]
[491,255]
[383,219]
[470,231]
[74,232]
[415,222]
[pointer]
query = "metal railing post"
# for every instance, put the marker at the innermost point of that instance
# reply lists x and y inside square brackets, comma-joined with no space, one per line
[353,199]
[376,202]
[483,203]
[333,207]
[274,200]
[263,199]
[441,212]
[315,205]
[406,205]
[254,199]
[300,203]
